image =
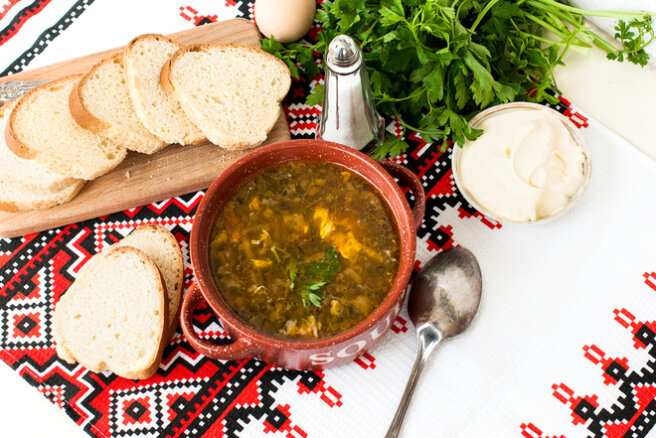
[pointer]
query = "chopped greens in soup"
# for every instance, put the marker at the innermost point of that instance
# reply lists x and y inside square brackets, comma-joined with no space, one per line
[304,250]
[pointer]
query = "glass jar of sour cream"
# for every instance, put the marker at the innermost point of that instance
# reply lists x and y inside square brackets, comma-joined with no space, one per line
[530,163]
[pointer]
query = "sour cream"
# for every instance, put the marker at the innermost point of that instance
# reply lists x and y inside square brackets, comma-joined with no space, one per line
[526,165]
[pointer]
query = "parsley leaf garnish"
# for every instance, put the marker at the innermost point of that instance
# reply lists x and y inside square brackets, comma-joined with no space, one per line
[310,279]
[314,299]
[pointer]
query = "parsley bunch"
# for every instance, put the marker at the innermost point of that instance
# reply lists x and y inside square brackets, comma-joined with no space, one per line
[435,63]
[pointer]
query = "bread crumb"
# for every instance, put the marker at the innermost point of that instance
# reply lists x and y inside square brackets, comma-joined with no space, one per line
[127,174]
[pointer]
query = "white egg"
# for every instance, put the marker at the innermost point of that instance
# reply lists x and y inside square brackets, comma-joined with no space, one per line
[286,20]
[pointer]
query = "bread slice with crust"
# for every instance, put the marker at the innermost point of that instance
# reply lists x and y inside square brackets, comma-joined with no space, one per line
[114,316]
[100,102]
[14,197]
[161,114]
[231,92]
[26,175]
[161,246]
[42,128]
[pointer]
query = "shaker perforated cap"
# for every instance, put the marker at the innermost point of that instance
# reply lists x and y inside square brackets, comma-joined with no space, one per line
[343,55]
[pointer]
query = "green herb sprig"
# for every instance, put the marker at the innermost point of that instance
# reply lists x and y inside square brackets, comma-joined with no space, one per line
[309,280]
[434,64]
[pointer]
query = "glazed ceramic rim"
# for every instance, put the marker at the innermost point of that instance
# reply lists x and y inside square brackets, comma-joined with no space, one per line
[233,322]
[514,106]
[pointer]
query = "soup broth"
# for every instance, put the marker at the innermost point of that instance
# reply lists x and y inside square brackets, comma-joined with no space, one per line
[304,250]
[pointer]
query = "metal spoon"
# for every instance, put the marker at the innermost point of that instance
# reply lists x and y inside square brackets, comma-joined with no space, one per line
[12,90]
[443,301]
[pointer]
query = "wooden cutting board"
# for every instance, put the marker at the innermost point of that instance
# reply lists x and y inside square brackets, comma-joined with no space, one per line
[140,179]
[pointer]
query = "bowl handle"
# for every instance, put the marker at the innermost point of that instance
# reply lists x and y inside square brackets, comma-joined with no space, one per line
[239,349]
[407,177]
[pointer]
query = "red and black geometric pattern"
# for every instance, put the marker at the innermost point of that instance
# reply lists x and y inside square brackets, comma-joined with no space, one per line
[45,38]
[189,392]
[633,414]
[21,18]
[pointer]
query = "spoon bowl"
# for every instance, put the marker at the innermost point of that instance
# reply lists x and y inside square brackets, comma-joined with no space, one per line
[447,292]
[443,301]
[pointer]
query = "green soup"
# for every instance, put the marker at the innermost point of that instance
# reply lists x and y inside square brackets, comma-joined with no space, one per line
[304,250]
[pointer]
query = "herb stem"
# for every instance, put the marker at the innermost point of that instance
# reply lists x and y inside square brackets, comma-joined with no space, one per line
[546,25]
[414,128]
[601,42]
[588,12]
[482,14]
[552,42]
[414,93]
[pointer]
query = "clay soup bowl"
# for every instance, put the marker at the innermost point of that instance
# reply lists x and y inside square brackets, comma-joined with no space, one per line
[319,353]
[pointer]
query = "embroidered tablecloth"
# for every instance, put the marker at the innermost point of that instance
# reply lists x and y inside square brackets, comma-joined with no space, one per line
[564,344]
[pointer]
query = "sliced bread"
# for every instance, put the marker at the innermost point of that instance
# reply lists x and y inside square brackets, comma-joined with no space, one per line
[100,102]
[161,246]
[159,112]
[14,197]
[26,175]
[114,316]
[231,92]
[42,128]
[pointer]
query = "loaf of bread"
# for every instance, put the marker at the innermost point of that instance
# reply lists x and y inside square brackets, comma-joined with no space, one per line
[42,128]
[114,316]
[100,102]
[159,112]
[231,92]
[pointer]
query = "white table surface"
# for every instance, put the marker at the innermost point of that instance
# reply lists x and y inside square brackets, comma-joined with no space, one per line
[621,96]
[26,413]
[626,104]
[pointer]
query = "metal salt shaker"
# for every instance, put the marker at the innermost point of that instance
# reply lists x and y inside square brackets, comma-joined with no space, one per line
[349,115]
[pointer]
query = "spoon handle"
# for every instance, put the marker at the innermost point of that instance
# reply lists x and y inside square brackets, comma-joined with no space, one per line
[428,337]
[12,90]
